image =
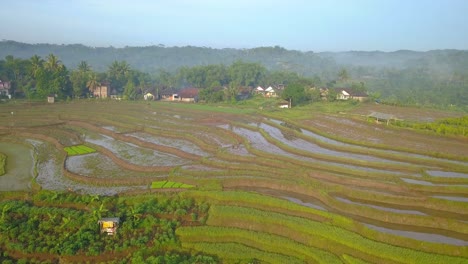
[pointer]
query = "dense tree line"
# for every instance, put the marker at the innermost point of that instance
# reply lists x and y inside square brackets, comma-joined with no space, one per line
[36,78]
[52,224]
[438,78]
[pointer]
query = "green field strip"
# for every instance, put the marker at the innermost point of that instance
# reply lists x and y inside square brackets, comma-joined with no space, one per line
[177,185]
[186,186]
[170,184]
[70,151]
[236,252]
[79,150]
[261,241]
[158,184]
[352,260]
[86,148]
[327,236]
[3,159]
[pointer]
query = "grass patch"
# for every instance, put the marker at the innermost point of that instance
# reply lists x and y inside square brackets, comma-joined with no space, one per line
[78,150]
[3,158]
[170,184]
[263,242]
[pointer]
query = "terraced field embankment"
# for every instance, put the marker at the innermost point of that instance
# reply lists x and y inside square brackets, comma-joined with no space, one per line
[282,187]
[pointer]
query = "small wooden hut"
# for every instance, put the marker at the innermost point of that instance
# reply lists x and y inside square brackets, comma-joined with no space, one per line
[381,117]
[109,225]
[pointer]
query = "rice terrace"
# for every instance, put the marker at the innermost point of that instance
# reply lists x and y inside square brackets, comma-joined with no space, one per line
[232,184]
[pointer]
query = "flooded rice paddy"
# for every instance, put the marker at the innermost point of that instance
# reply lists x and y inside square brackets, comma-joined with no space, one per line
[272,159]
[19,166]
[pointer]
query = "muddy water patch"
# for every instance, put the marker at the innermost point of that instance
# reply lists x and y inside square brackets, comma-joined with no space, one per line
[447,174]
[135,154]
[306,204]
[19,167]
[259,142]
[51,177]
[101,166]
[428,237]
[452,198]
[312,147]
[399,153]
[427,183]
[419,182]
[296,198]
[181,144]
[400,211]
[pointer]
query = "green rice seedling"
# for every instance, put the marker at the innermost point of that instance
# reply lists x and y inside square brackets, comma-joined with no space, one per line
[79,150]
[85,149]
[70,151]
[258,240]
[325,236]
[170,184]
[3,158]
[158,184]
[177,185]
[235,252]
[352,260]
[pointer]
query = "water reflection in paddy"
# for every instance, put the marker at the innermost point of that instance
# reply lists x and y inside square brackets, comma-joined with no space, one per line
[400,211]
[420,236]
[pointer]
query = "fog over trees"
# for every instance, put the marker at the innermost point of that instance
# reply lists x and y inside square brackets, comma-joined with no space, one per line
[438,77]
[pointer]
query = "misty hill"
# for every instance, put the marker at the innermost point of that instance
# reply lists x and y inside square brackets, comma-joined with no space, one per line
[325,64]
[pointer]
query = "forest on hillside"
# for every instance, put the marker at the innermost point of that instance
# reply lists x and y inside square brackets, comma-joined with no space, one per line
[434,78]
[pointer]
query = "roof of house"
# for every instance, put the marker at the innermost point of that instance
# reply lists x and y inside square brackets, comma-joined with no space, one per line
[382,116]
[170,91]
[259,88]
[351,92]
[109,219]
[189,93]
[269,89]
[4,85]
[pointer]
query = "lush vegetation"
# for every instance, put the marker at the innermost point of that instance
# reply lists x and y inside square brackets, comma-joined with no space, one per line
[79,150]
[271,185]
[434,78]
[64,226]
[3,159]
[449,126]
[170,184]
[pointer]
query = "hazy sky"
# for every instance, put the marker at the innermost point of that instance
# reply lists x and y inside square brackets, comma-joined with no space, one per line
[307,25]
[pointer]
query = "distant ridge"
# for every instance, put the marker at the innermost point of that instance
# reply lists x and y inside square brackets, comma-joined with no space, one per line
[154,58]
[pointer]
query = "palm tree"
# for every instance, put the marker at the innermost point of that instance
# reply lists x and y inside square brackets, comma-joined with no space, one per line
[93,84]
[84,67]
[53,63]
[343,75]
[36,64]
[118,74]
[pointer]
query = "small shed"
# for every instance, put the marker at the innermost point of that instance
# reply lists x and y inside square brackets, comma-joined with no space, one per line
[109,225]
[284,104]
[148,96]
[381,117]
[51,99]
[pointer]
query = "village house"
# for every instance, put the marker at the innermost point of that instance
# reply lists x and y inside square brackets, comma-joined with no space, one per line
[5,89]
[284,104]
[346,94]
[189,95]
[104,91]
[244,93]
[270,92]
[148,96]
[169,95]
[109,225]
[259,90]
[51,99]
